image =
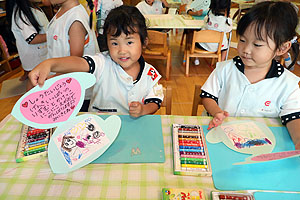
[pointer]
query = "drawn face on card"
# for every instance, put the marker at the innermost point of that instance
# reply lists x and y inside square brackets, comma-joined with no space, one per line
[80,141]
[59,99]
[247,137]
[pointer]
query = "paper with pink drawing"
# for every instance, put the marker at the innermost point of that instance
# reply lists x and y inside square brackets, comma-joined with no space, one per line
[80,141]
[245,136]
[58,100]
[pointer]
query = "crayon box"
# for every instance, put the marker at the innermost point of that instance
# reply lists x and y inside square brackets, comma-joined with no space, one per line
[33,143]
[190,155]
[182,194]
[231,195]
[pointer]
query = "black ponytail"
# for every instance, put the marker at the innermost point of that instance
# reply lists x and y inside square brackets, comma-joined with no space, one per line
[91,6]
[22,6]
[295,50]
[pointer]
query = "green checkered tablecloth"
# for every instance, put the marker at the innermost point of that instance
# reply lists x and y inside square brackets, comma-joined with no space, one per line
[34,179]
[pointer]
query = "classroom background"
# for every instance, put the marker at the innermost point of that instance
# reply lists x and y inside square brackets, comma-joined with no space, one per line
[182,86]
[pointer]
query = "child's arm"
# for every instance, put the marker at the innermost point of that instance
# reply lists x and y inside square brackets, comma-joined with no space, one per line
[39,38]
[61,65]
[165,3]
[195,13]
[77,35]
[214,110]
[294,130]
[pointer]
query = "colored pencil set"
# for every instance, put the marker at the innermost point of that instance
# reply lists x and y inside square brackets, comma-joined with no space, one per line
[190,151]
[33,143]
[231,196]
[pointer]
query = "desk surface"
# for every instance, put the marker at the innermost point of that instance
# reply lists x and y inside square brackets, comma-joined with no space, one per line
[34,180]
[166,21]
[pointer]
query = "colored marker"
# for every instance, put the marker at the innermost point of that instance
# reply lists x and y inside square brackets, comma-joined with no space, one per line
[36,147]
[34,151]
[193,162]
[192,150]
[192,147]
[36,131]
[192,156]
[29,157]
[191,153]
[36,144]
[194,159]
[193,166]
[38,141]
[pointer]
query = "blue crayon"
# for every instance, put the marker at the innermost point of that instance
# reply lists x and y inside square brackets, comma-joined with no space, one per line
[191,150]
[191,147]
[38,141]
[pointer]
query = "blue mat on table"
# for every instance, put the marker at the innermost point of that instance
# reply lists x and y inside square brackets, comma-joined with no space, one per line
[281,175]
[140,140]
[276,196]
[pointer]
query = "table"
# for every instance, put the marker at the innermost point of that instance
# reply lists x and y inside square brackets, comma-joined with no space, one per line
[34,179]
[166,21]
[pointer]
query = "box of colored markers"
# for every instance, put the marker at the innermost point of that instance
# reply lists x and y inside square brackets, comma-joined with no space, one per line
[182,193]
[190,151]
[33,143]
[231,195]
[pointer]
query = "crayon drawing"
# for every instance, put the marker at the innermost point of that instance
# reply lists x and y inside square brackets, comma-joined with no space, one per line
[244,136]
[81,141]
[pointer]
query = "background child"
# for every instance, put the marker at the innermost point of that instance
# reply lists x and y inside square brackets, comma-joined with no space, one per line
[152,7]
[253,83]
[197,7]
[102,10]
[218,19]
[124,82]
[69,32]
[28,24]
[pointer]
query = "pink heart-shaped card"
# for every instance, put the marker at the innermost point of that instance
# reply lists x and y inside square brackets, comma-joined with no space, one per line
[57,101]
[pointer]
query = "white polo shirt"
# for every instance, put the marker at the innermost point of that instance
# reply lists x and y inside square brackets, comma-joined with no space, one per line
[115,89]
[58,33]
[146,9]
[30,54]
[278,95]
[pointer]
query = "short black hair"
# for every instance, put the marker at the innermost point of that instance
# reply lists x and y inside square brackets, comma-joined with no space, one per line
[278,19]
[127,20]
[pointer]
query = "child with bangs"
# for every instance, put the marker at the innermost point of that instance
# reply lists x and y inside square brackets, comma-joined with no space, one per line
[125,83]
[254,84]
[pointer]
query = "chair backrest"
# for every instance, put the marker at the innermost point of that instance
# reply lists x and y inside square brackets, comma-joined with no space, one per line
[156,40]
[207,36]
[197,100]
[167,102]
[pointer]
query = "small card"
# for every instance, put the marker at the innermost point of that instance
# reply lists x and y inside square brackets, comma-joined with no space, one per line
[182,193]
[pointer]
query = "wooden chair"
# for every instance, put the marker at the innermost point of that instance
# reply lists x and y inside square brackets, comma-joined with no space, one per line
[205,36]
[167,102]
[157,48]
[197,100]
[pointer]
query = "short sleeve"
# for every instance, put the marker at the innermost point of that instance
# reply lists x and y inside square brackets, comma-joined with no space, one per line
[212,84]
[28,31]
[156,95]
[291,108]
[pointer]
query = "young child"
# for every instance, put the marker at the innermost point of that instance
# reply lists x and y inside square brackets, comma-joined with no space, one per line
[196,7]
[69,32]
[102,9]
[218,19]
[124,82]
[253,83]
[28,24]
[152,7]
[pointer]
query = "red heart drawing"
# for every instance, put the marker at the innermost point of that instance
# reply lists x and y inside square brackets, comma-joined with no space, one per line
[69,80]
[25,104]
[72,107]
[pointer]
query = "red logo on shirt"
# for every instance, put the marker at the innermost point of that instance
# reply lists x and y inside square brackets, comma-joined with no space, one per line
[267,103]
[55,37]
[152,73]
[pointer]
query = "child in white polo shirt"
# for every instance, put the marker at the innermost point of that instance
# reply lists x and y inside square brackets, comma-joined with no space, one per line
[152,7]
[124,82]
[254,84]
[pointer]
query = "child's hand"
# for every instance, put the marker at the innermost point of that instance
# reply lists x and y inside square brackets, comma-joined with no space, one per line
[218,119]
[135,109]
[39,74]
